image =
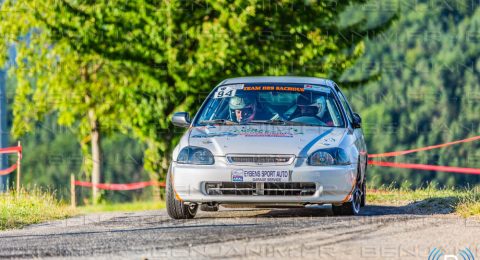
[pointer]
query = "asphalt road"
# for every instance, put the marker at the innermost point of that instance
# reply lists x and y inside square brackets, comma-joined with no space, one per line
[394,232]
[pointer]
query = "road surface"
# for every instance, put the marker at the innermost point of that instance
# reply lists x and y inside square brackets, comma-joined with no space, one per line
[394,232]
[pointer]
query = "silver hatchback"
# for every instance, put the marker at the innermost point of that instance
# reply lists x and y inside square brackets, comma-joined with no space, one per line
[269,141]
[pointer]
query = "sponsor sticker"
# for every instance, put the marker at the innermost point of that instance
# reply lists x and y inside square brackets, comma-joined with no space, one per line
[317,88]
[237,175]
[227,91]
[264,175]
[273,88]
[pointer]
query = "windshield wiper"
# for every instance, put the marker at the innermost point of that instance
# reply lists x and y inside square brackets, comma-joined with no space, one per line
[217,121]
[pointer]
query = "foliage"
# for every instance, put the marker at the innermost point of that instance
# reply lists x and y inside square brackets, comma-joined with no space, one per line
[52,153]
[86,92]
[428,92]
[152,58]
[187,47]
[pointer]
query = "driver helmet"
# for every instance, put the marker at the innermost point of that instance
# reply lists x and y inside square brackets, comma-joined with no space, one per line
[321,104]
[242,108]
[317,106]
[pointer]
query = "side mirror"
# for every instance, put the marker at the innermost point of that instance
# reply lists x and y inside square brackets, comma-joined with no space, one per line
[357,121]
[181,119]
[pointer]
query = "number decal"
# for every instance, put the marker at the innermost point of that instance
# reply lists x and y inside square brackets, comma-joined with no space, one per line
[227,91]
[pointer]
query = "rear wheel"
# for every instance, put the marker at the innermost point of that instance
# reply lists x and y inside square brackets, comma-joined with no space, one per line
[176,209]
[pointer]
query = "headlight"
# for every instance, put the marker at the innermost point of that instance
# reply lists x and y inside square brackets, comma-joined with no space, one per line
[330,156]
[195,155]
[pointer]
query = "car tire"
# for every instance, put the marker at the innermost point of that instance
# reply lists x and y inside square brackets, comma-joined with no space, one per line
[350,208]
[364,187]
[209,207]
[176,209]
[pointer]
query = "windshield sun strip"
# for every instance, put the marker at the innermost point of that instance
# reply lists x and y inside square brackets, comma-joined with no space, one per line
[331,92]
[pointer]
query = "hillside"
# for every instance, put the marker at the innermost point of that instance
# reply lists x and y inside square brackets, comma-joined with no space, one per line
[429,91]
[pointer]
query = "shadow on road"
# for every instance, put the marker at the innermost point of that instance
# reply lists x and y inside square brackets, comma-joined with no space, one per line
[430,206]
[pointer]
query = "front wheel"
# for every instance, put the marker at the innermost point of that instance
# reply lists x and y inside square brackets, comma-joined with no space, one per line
[364,188]
[349,208]
[176,209]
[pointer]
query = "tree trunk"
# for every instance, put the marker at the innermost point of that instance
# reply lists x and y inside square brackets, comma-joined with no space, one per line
[96,148]
[96,154]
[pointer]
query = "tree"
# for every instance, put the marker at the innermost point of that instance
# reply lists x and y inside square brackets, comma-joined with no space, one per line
[183,48]
[83,89]
[428,93]
[179,50]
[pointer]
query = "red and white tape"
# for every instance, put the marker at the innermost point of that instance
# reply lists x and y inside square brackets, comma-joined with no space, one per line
[124,186]
[391,154]
[8,150]
[425,167]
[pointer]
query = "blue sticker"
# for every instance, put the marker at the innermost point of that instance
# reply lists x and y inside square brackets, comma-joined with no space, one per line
[237,175]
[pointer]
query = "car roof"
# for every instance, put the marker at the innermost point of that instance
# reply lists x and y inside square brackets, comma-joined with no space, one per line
[279,79]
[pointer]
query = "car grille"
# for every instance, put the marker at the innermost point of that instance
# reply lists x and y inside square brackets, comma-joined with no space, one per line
[242,159]
[261,188]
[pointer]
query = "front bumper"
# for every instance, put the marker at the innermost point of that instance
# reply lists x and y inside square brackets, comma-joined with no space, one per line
[333,183]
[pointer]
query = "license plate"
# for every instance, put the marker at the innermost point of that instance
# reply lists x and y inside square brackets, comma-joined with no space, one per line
[240,175]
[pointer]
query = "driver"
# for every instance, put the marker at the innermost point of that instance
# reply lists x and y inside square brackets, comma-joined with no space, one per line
[242,108]
[316,107]
[315,110]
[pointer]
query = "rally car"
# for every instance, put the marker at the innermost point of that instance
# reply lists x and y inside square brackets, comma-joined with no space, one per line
[269,141]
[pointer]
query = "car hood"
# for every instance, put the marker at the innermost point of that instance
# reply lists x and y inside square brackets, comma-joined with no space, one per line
[264,139]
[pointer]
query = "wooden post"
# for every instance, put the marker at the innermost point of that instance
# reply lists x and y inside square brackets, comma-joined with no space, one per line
[73,197]
[19,174]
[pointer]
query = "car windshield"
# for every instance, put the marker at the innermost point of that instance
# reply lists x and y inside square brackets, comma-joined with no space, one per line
[282,104]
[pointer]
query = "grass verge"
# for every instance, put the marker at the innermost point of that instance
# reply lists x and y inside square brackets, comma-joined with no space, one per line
[130,206]
[469,205]
[464,202]
[24,208]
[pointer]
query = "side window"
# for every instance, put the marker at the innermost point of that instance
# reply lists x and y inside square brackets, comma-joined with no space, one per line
[345,104]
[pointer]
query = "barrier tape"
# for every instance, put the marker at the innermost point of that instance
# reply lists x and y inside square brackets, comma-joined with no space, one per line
[8,170]
[116,186]
[7,150]
[426,167]
[14,149]
[391,154]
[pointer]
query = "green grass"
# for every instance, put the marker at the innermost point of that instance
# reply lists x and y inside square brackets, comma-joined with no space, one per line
[130,206]
[469,205]
[464,202]
[400,196]
[25,208]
